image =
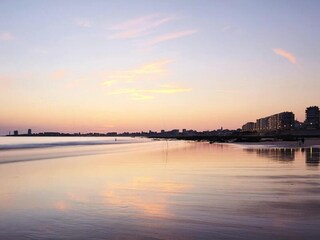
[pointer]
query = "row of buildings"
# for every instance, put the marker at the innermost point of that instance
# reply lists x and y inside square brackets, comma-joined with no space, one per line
[16,132]
[284,121]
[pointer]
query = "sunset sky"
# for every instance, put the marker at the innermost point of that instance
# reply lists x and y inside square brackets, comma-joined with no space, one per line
[100,66]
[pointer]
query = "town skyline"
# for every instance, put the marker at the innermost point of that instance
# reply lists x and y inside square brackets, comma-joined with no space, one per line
[277,121]
[124,66]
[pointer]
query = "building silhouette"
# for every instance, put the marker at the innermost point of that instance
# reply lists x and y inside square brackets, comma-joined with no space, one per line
[29,132]
[15,133]
[279,121]
[248,127]
[312,118]
[285,121]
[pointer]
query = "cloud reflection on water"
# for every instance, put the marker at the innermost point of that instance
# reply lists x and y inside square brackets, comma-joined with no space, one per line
[61,206]
[145,194]
[163,190]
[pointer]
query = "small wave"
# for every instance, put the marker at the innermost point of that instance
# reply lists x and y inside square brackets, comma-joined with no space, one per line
[4,147]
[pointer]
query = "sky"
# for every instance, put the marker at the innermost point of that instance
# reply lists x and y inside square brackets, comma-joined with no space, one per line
[102,66]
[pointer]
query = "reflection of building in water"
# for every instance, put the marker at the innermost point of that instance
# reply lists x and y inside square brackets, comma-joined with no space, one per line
[313,156]
[288,154]
[279,154]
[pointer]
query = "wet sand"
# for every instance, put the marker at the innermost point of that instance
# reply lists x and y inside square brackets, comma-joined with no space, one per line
[160,190]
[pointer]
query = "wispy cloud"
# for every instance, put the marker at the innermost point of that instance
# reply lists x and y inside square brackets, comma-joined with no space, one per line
[138,73]
[141,96]
[289,56]
[169,36]
[123,91]
[6,36]
[168,89]
[146,94]
[85,23]
[109,82]
[147,29]
[139,26]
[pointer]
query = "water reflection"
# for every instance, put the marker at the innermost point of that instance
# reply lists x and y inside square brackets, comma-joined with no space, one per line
[60,206]
[278,154]
[163,190]
[312,155]
[144,194]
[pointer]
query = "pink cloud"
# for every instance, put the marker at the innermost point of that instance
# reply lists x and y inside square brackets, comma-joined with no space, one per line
[138,73]
[146,94]
[169,36]
[289,56]
[6,36]
[138,26]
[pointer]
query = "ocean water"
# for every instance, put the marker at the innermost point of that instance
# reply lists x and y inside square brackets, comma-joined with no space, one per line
[134,188]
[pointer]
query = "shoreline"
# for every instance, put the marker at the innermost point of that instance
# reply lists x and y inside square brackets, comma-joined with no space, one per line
[264,143]
[309,142]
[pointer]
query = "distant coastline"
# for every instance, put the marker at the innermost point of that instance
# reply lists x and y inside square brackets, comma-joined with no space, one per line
[191,135]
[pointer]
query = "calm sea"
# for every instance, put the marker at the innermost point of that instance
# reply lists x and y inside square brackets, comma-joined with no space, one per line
[134,188]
